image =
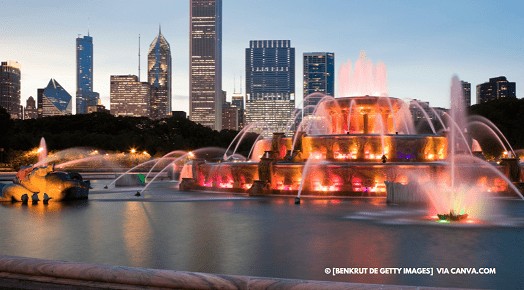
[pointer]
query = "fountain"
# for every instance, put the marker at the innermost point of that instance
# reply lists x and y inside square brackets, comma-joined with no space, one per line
[45,181]
[362,145]
[42,179]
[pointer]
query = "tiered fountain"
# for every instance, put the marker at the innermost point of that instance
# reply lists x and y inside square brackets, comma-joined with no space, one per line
[354,146]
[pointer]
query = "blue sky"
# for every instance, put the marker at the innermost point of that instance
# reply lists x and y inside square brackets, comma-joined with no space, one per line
[422,43]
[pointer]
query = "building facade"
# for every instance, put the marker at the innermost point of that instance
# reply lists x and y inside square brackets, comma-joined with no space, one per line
[205,76]
[270,85]
[84,75]
[10,79]
[129,96]
[466,93]
[159,77]
[30,111]
[496,88]
[319,77]
[55,100]
[237,100]
[229,116]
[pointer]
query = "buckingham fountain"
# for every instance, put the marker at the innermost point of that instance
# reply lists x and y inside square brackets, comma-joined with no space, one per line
[367,145]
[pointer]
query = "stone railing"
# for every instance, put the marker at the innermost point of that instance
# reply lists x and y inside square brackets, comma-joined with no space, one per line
[31,273]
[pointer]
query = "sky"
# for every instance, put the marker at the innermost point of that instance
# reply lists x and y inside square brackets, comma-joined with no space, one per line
[422,43]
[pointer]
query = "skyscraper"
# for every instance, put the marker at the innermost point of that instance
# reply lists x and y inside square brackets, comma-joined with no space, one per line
[205,49]
[10,88]
[30,111]
[55,100]
[466,92]
[237,100]
[159,77]
[270,85]
[129,97]
[319,77]
[84,75]
[496,88]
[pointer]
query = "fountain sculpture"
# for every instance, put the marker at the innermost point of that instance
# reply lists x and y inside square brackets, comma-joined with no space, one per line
[355,146]
[42,179]
[45,183]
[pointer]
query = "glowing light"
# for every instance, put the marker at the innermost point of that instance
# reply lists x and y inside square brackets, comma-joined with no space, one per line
[226,184]
[191,155]
[317,155]
[145,153]
[40,149]
[133,150]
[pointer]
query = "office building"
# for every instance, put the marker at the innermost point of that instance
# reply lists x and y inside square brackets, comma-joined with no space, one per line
[10,88]
[30,111]
[466,93]
[496,88]
[205,77]
[129,96]
[237,100]
[230,114]
[84,75]
[270,85]
[55,100]
[159,77]
[319,77]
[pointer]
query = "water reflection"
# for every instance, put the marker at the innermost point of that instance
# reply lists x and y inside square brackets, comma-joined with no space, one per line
[269,237]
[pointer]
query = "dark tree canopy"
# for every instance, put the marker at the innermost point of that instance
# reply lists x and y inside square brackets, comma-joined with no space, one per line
[106,132]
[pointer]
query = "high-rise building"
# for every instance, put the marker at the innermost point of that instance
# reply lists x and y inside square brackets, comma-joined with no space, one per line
[237,100]
[84,75]
[30,111]
[55,100]
[270,85]
[319,77]
[229,116]
[496,88]
[159,77]
[129,96]
[205,77]
[466,93]
[10,88]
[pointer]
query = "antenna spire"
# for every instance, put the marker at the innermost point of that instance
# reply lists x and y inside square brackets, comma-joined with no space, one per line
[139,57]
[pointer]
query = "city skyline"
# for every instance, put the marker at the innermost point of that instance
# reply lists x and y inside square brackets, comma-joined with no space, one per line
[422,44]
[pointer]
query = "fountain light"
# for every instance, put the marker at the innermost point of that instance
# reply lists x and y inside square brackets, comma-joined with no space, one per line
[40,149]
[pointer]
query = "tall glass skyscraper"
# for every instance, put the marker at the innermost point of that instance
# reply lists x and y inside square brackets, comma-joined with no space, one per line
[10,88]
[270,85]
[205,48]
[159,77]
[319,77]
[270,70]
[84,75]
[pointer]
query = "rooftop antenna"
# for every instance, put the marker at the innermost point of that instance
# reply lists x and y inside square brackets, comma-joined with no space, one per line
[234,84]
[139,57]
[241,84]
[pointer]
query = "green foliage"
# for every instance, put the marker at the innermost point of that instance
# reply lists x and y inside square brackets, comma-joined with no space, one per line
[106,132]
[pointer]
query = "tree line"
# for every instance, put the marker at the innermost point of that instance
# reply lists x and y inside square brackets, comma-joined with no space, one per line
[103,131]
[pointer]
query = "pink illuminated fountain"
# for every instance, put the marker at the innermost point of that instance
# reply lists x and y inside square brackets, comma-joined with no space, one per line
[353,146]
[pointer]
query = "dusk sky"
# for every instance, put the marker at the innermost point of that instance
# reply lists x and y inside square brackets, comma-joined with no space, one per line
[422,43]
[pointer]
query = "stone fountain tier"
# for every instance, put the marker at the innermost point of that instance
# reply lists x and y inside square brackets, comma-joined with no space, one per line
[357,148]
[349,146]
[43,183]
